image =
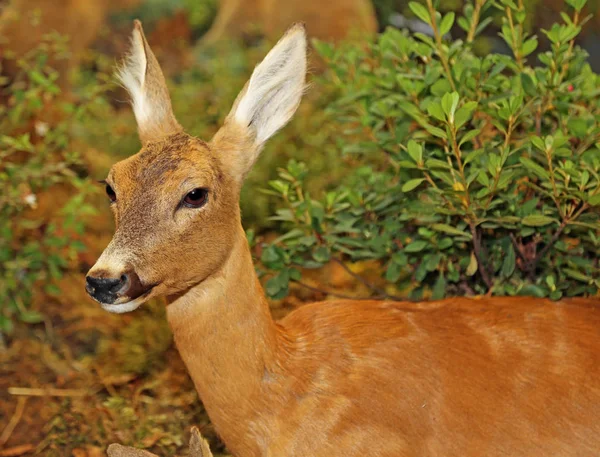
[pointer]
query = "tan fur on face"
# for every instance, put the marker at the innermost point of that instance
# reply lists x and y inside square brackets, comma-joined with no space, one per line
[154,231]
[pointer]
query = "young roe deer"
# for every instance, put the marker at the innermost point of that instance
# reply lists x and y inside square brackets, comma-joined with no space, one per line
[458,377]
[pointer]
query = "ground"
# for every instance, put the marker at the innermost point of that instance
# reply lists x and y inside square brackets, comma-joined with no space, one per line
[86,378]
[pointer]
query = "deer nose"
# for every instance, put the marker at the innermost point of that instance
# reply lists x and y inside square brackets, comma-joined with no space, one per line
[107,290]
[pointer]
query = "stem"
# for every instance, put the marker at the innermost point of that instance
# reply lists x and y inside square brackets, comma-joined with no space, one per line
[516,50]
[504,150]
[440,46]
[475,20]
[555,237]
[569,52]
[477,251]
[433,184]
[381,292]
[552,180]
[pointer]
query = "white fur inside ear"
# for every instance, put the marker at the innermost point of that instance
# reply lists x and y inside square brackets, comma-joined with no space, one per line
[276,87]
[132,75]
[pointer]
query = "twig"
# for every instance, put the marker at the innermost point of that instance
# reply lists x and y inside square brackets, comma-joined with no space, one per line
[382,293]
[198,445]
[17,450]
[198,448]
[118,450]
[48,392]
[14,421]
[474,20]
[438,39]
[517,247]
[556,236]
[477,251]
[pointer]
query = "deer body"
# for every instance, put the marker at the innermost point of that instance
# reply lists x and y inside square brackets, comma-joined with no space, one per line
[489,377]
[459,377]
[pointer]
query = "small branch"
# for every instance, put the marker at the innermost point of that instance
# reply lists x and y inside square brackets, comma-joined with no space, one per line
[533,264]
[438,40]
[198,448]
[517,249]
[569,52]
[516,43]
[17,450]
[362,280]
[505,147]
[14,421]
[48,392]
[477,251]
[475,20]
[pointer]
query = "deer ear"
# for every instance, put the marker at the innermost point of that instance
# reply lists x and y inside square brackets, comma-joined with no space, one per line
[267,102]
[141,75]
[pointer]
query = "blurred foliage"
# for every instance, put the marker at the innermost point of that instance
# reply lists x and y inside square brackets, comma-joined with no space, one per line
[199,13]
[478,175]
[35,159]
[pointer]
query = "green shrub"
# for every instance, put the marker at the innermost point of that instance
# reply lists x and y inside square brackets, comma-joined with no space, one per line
[477,174]
[35,156]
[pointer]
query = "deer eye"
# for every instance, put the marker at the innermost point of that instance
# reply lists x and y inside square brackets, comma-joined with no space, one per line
[196,198]
[111,193]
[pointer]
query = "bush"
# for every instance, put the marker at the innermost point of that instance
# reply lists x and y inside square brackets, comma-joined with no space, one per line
[36,244]
[477,174]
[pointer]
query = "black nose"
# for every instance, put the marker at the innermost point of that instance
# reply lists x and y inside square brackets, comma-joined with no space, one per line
[106,290]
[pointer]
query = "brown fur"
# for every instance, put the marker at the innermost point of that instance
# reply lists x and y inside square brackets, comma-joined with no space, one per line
[333,20]
[459,377]
[79,20]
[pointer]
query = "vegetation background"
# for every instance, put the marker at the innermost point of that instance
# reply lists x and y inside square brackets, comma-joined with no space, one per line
[445,148]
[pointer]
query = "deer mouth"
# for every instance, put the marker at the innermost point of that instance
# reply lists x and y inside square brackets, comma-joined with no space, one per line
[112,292]
[129,303]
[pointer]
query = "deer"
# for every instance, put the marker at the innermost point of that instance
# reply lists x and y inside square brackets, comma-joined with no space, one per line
[464,377]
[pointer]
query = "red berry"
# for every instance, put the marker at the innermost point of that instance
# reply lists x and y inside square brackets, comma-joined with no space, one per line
[570,88]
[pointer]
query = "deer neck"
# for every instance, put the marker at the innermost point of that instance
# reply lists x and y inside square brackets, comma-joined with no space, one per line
[228,340]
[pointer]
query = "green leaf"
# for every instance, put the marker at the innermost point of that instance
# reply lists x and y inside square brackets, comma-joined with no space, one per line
[447,23]
[529,46]
[321,254]
[415,151]
[528,85]
[445,228]
[439,288]
[449,104]
[411,184]
[508,265]
[537,220]
[464,114]
[578,127]
[435,109]
[31,317]
[472,267]
[594,200]
[576,275]
[577,4]
[415,246]
[535,168]
[532,289]
[393,272]
[420,11]
[435,131]
[538,143]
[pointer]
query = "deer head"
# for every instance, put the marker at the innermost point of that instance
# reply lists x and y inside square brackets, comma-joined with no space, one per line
[176,202]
